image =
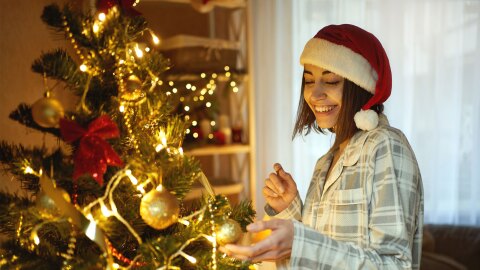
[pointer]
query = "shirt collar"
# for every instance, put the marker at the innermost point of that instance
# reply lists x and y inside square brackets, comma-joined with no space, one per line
[353,150]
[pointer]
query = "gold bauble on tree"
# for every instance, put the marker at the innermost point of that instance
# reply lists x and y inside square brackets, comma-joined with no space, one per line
[132,92]
[47,112]
[46,206]
[228,232]
[159,209]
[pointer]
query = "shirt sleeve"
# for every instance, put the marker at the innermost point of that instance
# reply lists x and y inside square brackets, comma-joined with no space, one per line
[293,211]
[393,219]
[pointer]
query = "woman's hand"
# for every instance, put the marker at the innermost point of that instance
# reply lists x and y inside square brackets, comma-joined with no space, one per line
[278,245]
[280,189]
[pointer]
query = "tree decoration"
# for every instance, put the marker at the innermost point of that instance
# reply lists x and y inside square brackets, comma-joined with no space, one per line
[93,153]
[103,228]
[47,112]
[46,205]
[228,232]
[159,209]
[133,90]
[125,5]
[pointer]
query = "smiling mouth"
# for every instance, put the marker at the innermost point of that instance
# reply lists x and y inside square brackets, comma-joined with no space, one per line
[324,108]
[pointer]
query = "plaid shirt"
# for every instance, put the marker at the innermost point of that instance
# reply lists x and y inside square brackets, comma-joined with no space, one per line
[368,214]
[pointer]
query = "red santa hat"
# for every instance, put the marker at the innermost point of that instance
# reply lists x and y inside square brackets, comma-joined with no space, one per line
[358,56]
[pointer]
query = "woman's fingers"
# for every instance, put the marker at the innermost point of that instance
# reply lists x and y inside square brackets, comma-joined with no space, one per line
[271,185]
[288,181]
[267,192]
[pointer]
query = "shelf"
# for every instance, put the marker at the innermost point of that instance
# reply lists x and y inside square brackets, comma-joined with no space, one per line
[196,77]
[216,3]
[219,150]
[231,189]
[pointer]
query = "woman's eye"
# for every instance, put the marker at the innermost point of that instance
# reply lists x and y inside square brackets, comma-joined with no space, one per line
[309,82]
[332,83]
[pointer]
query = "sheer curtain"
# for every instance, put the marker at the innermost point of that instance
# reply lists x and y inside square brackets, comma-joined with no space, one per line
[434,50]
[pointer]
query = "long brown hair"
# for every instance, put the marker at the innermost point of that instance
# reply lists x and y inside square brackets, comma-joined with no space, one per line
[353,98]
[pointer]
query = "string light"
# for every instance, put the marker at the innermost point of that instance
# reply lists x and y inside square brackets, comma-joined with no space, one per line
[203,75]
[226,68]
[208,104]
[132,178]
[212,123]
[138,51]
[105,211]
[96,27]
[188,257]
[83,68]
[155,39]
[194,123]
[101,16]
[121,108]
[35,237]
[28,170]
[235,89]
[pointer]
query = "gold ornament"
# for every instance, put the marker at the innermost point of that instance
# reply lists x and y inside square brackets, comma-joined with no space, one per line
[133,90]
[159,209]
[47,112]
[228,232]
[46,205]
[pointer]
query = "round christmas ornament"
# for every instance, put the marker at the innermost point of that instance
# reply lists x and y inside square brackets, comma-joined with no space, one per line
[159,209]
[46,205]
[228,232]
[133,90]
[47,112]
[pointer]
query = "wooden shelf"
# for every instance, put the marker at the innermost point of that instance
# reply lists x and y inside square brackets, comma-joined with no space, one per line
[231,189]
[219,150]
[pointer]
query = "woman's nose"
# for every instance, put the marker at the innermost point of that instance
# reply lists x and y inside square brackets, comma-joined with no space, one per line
[318,93]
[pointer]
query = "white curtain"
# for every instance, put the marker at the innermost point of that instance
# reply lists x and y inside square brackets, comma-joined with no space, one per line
[434,51]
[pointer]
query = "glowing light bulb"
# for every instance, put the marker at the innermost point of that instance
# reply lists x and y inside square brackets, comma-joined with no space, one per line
[203,75]
[155,39]
[105,211]
[208,104]
[35,238]
[212,123]
[83,68]
[232,83]
[138,51]
[132,178]
[28,170]
[121,108]
[188,86]
[187,108]
[188,257]
[194,123]
[95,27]
[102,16]
[226,68]
[235,89]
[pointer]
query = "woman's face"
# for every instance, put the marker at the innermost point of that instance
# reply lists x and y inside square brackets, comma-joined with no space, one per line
[323,94]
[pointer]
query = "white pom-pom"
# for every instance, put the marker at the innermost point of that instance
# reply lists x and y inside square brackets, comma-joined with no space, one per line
[366,120]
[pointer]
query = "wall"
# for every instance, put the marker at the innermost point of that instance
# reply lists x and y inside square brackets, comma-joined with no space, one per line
[23,38]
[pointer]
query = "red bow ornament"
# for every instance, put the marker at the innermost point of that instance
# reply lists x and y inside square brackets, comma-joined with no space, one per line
[125,5]
[93,154]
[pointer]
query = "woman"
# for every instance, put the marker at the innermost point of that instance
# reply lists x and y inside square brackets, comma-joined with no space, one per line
[364,206]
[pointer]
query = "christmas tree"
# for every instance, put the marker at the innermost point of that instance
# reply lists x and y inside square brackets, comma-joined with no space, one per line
[110,194]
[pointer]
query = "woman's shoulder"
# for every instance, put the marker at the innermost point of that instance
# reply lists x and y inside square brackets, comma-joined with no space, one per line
[385,134]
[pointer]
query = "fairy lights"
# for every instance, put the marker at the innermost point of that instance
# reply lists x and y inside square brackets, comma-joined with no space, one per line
[83,68]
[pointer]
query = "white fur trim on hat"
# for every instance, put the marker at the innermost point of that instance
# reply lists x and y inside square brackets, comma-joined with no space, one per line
[341,61]
[366,120]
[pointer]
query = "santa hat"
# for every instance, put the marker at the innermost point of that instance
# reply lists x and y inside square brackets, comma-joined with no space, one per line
[358,56]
